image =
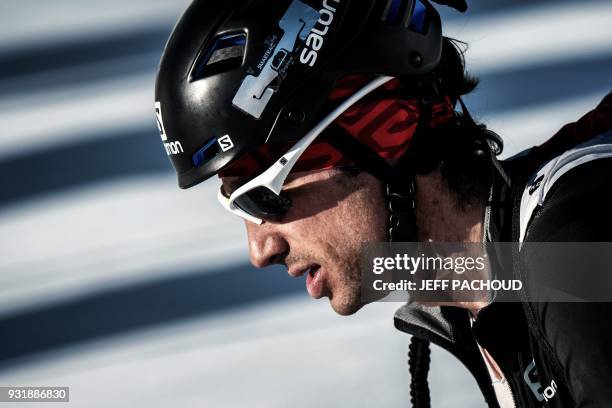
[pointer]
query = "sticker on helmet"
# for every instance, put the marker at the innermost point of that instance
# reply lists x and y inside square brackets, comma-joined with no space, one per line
[256,91]
[270,44]
[225,142]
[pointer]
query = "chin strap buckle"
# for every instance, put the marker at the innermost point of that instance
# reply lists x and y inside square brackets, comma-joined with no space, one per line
[400,197]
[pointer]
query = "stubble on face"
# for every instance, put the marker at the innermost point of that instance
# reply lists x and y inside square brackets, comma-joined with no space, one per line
[333,215]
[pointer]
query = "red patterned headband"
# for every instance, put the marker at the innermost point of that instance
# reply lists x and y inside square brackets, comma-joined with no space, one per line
[386,125]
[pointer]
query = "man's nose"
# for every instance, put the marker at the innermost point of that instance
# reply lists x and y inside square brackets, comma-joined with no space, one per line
[267,245]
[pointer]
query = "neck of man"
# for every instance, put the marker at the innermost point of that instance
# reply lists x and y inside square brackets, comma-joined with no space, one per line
[441,217]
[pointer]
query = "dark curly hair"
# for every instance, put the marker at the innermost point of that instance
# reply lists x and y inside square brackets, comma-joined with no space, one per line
[461,149]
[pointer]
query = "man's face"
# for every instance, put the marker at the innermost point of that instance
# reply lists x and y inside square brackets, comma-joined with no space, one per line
[332,215]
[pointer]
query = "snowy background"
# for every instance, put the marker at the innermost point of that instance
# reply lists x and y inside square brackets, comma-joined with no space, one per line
[133,293]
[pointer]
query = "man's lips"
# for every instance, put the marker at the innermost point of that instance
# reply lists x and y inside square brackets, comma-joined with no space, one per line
[315,284]
[298,270]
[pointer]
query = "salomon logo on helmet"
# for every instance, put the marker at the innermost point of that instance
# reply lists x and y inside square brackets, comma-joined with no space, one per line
[316,38]
[171,147]
[225,142]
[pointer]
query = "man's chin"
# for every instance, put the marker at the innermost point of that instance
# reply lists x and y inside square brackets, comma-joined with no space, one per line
[345,308]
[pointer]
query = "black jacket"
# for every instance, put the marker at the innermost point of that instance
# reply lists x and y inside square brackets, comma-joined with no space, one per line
[552,354]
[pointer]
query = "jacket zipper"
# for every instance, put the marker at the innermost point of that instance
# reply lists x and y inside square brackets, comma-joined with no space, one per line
[448,346]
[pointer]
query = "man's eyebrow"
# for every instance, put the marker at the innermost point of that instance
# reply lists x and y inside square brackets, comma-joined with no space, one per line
[291,177]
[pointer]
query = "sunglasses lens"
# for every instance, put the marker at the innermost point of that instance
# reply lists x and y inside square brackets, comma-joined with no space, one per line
[263,203]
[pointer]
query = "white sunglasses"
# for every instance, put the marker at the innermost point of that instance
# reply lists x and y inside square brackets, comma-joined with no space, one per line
[261,197]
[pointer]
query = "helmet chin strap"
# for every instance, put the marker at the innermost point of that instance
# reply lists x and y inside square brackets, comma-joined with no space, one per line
[400,191]
[400,198]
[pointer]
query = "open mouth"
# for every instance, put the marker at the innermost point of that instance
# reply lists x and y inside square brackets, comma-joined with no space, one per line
[314,270]
[314,282]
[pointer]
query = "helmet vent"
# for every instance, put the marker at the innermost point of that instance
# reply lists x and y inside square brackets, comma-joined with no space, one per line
[395,11]
[225,54]
[417,21]
[406,13]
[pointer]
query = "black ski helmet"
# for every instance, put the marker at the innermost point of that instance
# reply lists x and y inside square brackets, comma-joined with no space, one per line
[236,74]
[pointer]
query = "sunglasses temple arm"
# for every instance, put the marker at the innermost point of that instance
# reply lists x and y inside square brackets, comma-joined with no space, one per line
[291,157]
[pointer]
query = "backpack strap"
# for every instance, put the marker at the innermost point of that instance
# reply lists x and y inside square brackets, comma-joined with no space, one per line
[541,182]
